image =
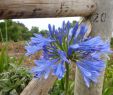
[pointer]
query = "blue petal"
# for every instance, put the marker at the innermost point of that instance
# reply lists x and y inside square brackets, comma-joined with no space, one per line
[87,81]
[63,56]
[74,30]
[96,65]
[84,71]
[37,44]
[32,49]
[49,52]
[47,74]
[75,46]
[59,70]
[51,31]
[90,69]
[81,32]
[93,41]
[69,51]
[40,39]
[92,45]
[63,25]
[68,25]
[43,68]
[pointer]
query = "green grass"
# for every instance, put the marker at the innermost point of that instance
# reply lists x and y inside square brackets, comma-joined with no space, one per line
[4,60]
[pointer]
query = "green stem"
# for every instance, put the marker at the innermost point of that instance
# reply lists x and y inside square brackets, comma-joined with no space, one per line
[67,79]
[1,35]
[62,84]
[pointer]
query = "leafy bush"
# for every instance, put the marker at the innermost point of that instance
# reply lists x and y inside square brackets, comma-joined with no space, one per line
[13,81]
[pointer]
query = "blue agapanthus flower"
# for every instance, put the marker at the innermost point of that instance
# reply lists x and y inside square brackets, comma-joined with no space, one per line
[67,44]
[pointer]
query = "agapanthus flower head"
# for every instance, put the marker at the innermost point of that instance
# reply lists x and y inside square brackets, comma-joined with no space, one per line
[67,44]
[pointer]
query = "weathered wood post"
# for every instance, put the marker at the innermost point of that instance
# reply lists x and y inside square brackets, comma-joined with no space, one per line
[102,23]
[39,87]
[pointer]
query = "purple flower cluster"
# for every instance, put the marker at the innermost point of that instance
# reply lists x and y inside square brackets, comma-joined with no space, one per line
[67,44]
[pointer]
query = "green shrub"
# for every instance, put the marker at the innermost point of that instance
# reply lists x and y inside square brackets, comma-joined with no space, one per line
[13,81]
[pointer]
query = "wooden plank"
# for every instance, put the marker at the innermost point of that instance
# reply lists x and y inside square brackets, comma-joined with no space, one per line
[102,25]
[45,8]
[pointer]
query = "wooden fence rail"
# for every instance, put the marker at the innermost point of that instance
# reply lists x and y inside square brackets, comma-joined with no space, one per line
[45,8]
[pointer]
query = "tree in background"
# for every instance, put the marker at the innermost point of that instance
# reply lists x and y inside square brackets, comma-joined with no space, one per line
[34,29]
[16,31]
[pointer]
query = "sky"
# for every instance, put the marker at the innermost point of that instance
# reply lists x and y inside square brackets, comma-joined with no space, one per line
[42,23]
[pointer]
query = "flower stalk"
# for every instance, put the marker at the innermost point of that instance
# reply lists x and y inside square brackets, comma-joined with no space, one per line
[67,79]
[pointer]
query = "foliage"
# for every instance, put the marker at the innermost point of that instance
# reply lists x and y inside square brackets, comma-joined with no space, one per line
[111,42]
[13,77]
[4,60]
[13,81]
[58,88]
[44,33]
[34,29]
[108,82]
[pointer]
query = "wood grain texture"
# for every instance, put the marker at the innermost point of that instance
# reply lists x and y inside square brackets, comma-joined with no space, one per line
[102,25]
[39,87]
[45,8]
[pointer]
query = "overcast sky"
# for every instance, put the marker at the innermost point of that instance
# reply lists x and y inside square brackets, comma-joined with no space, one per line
[42,23]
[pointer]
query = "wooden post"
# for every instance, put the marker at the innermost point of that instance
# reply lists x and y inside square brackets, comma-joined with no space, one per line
[102,22]
[39,87]
[45,8]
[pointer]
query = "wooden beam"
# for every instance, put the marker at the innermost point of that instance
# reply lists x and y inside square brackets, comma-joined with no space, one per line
[45,8]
